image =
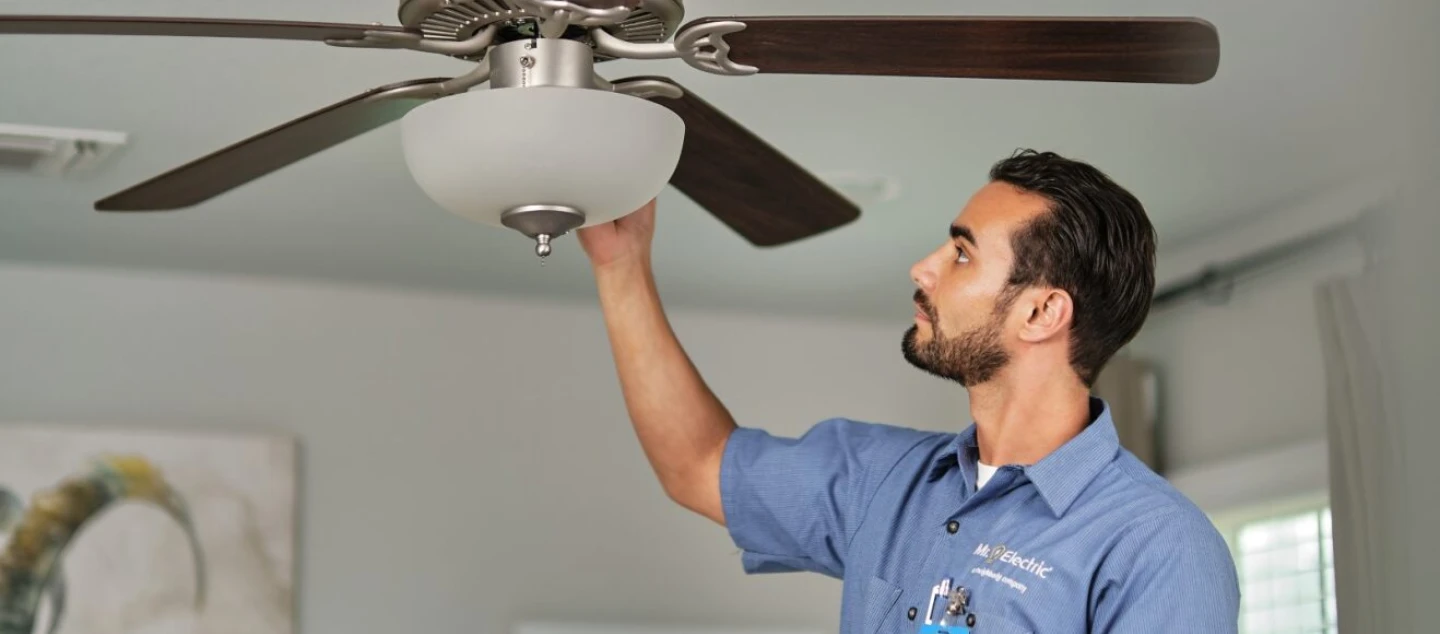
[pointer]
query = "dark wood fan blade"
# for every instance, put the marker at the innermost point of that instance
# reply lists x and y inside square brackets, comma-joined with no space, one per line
[749,185]
[1141,50]
[271,150]
[190,27]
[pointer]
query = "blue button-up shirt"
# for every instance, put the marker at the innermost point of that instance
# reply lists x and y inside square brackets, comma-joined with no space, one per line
[1088,539]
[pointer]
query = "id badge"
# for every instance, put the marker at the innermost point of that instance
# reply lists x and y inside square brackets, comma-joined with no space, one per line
[956,617]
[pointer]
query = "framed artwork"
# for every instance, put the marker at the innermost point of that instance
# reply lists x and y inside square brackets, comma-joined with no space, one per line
[146,531]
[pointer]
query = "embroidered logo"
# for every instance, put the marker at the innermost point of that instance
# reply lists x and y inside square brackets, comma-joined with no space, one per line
[993,553]
[1005,555]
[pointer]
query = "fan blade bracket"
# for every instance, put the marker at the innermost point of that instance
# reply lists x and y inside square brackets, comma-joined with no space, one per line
[648,88]
[702,46]
[456,85]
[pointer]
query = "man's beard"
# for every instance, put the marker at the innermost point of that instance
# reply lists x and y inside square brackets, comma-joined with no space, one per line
[969,359]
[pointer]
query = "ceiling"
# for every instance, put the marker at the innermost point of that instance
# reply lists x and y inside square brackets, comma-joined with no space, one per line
[1292,109]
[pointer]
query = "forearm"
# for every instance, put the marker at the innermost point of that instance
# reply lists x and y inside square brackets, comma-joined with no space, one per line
[681,425]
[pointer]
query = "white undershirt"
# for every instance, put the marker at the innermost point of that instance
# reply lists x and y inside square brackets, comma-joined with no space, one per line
[985,472]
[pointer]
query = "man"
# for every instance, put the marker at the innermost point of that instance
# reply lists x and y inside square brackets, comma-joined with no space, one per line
[1031,519]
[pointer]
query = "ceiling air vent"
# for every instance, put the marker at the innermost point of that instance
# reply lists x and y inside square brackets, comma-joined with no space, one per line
[54,151]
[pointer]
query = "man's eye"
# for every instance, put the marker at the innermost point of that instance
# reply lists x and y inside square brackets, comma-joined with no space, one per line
[960,255]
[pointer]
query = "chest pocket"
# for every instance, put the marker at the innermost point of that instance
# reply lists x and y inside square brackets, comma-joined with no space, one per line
[878,610]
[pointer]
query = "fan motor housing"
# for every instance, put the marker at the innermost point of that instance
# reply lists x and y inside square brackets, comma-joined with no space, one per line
[455,20]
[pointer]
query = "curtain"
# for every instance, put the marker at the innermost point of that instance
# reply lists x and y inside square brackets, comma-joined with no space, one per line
[1365,520]
[1128,385]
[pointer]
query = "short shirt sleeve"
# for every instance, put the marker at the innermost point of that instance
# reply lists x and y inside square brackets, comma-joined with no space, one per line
[793,504]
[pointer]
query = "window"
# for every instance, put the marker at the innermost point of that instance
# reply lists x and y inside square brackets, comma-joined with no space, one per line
[1287,572]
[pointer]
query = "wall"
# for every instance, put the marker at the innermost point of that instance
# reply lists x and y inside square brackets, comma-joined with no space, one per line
[1243,378]
[466,463]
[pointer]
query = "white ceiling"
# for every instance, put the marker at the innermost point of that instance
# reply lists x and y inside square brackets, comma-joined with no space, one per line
[1292,109]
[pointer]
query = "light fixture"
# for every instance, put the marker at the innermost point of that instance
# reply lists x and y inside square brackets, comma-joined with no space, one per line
[542,159]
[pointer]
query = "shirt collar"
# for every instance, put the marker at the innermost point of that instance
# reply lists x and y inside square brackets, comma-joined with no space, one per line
[1061,476]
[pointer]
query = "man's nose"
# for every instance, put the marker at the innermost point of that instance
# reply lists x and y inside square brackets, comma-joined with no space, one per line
[922,274]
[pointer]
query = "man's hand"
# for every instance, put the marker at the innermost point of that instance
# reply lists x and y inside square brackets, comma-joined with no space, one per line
[625,239]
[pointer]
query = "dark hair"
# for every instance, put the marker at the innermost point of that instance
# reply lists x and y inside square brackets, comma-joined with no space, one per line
[1096,243]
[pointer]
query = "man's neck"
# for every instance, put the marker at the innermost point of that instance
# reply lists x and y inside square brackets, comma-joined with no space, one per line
[1021,422]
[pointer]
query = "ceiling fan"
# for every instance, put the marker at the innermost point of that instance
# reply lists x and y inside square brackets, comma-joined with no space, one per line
[750,186]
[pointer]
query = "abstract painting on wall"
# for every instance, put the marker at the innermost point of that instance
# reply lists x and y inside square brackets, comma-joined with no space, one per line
[146,531]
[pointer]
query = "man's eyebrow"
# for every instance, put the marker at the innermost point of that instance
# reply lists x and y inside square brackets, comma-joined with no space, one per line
[962,231]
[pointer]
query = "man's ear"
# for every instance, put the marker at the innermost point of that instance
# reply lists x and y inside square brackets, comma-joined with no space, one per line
[1048,313]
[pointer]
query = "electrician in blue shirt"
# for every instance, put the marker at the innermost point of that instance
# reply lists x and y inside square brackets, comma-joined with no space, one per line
[1033,517]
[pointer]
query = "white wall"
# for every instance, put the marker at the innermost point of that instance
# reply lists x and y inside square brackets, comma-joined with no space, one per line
[1244,380]
[467,464]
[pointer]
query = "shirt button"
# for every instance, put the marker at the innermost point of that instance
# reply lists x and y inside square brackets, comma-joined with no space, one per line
[953,527]
[911,614]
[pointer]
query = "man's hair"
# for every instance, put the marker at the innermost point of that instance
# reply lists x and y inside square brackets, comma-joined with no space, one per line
[1096,243]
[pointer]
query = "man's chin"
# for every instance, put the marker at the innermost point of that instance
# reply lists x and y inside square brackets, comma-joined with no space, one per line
[911,345]
[911,340]
[918,333]
[915,348]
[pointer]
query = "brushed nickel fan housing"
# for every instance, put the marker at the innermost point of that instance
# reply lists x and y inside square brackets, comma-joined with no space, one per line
[653,22]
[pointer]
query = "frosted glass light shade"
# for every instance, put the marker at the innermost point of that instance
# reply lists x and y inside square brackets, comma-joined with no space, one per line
[482,153]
